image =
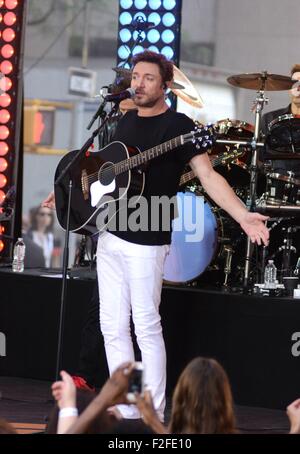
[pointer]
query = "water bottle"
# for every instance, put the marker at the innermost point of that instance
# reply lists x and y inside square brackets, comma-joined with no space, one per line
[19,256]
[270,275]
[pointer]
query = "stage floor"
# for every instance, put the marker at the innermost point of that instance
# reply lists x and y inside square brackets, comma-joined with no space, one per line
[255,338]
[27,403]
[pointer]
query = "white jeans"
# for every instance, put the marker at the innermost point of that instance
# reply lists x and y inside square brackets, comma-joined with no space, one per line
[130,280]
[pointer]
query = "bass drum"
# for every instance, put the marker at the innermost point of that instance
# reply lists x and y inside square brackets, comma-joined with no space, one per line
[192,251]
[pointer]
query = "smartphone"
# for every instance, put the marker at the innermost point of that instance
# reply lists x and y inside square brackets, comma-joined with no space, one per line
[136,382]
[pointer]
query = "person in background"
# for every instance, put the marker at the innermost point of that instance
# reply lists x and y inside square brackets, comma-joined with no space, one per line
[41,231]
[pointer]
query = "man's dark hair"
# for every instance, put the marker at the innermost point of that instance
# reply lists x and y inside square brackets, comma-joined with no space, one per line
[165,66]
[295,69]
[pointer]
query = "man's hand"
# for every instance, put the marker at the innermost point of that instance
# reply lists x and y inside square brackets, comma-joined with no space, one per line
[254,226]
[49,202]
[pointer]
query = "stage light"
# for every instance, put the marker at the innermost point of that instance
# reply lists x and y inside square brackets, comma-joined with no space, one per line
[163,37]
[125,18]
[2,196]
[9,18]
[168,52]
[8,35]
[125,35]
[3,164]
[140,4]
[7,51]
[5,100]
[154,4]
[3,180]
[1,18]
[4,116]
[1,245]
[168,36]
[1,3]
[11,4]
[123,52]
[4,132]
[153,36]
[137,50]
[168,20]
[126,4]
[155,18]
[154,49]
[140,16]
[169,4]
[142,34]
[6,67]
[3,148]
[5,84]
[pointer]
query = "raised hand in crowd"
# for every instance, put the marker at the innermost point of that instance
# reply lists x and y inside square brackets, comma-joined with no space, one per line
[293,412]
[49,202]
[145,405]
[113,392]
[64,392]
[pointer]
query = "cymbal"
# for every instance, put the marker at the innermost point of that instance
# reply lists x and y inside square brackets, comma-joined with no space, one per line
[187,92]
[261,81]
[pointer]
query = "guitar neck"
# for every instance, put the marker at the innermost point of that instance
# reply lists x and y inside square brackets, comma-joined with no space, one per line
[222,159]
[145,156]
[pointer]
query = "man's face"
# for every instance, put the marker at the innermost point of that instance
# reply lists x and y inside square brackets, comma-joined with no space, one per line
[295,91]
[147,82]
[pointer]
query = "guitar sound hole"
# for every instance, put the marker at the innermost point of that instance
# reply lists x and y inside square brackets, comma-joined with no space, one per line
[106,174]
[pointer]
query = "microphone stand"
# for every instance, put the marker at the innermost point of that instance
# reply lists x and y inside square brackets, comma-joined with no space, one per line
[63,174]
[100,113]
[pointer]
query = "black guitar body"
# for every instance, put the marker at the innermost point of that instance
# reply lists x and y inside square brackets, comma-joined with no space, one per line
[95,167]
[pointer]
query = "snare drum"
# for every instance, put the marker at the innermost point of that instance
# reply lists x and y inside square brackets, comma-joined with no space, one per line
[282,189]
[284,134]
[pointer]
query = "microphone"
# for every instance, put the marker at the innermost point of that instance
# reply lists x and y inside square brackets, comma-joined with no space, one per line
[140,24]
[128,93]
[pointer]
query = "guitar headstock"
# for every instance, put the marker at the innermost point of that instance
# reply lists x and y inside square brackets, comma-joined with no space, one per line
[203,137]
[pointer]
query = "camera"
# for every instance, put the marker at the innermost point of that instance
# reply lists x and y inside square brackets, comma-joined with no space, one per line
[135,382]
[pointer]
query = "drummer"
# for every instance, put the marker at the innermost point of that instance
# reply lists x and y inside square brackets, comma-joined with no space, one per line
[293,165]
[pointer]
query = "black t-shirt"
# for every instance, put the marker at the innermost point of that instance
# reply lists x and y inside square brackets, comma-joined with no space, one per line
[162,173]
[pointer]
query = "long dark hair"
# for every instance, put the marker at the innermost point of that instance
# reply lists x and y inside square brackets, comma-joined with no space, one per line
[33,219]
[202,400]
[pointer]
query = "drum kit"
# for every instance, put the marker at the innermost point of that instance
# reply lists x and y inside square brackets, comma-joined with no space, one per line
[224,253]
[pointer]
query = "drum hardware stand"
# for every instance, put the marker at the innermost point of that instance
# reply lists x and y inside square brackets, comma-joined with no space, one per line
[258,106]
[287,248]
[227,269]
[265,249]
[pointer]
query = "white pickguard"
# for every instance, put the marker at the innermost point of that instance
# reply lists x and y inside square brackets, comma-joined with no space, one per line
[97,191]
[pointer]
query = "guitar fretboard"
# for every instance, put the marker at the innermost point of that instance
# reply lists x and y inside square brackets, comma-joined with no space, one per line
[222,159]
[147,155]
